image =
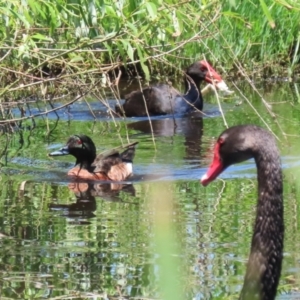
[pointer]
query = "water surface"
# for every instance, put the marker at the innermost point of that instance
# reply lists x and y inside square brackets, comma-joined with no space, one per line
[86,240]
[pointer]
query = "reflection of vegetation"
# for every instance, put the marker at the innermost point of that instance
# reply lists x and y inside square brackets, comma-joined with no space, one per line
[171,232]
[80,260]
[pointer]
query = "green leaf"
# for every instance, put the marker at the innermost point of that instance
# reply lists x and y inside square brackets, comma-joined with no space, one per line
[41,37]
[132,27]
[130,52]
[20,17]
[122,52]
[267,13]
[34,5]
[106,37]
[129,49]
[108,48]
[77,58]
[142,58]
[152,10]
[110,11]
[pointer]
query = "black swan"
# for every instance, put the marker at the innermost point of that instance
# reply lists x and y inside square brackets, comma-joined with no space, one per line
[235,145]
[163,99]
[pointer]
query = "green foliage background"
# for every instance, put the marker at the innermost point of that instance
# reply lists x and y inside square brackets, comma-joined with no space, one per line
[98,36]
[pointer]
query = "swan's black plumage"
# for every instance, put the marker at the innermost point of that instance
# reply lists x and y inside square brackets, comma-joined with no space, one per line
[237,144]
[163,99]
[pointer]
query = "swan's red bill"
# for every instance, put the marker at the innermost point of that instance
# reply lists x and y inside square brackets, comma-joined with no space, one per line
[212,76]
[214,170]
[216,167]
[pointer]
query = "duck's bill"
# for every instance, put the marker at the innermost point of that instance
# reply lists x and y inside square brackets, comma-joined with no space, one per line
[62,151]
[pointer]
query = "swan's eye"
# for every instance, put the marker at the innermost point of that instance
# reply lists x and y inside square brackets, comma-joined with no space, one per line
[221,141]
[203,69]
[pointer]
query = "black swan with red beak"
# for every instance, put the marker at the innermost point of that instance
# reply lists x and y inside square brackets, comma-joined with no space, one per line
[163,99]
[238,144]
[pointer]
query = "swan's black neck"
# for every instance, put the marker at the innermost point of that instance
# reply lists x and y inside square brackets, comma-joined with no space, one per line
[193,92]
[264,265]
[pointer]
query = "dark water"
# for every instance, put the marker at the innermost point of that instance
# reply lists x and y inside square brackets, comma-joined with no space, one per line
[160,235]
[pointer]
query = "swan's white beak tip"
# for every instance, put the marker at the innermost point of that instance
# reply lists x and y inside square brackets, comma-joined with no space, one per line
[203,179]
[222,86]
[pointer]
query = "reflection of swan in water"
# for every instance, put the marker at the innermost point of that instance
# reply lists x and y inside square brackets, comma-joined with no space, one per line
[86,193]
[191,127]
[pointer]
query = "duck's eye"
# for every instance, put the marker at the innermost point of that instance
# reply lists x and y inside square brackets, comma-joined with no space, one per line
[79,142]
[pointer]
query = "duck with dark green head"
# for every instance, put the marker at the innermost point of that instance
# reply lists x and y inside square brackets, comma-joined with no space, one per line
[111,165]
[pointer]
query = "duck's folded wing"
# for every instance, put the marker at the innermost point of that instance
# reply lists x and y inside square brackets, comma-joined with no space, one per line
[107,159]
